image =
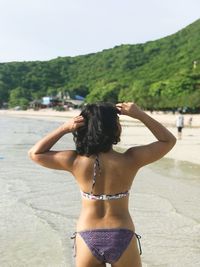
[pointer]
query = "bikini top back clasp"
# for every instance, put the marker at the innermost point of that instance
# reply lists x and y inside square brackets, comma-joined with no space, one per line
[91,196]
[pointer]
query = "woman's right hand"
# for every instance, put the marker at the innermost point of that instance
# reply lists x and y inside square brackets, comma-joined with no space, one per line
[145,154]
[129,109]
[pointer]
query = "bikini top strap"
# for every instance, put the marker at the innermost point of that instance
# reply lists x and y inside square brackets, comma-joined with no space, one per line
[96,166]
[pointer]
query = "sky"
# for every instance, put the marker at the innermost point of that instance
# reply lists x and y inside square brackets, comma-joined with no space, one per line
[46,29]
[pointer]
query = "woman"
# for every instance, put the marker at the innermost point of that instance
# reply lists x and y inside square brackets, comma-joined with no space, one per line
[105,231]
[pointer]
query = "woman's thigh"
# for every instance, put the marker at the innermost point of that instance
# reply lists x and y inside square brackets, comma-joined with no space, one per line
[84,257]
[130,257]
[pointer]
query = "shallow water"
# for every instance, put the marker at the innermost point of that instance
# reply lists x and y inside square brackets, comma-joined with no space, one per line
[39,206]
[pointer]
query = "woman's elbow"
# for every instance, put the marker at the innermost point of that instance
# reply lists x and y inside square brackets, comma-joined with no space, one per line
[32,155]
[172,141]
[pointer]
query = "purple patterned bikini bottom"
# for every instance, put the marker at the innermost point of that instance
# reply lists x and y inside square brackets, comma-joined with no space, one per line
[107,245]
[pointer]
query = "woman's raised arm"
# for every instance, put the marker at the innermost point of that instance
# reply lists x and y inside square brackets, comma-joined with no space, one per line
[151,152]
[62,160]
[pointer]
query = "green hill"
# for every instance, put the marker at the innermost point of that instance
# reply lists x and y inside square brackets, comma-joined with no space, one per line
[159,74]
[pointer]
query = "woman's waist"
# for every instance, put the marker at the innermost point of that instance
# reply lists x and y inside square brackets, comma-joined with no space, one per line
[89,220]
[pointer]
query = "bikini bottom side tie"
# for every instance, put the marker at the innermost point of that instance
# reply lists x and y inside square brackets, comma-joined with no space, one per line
[74,243]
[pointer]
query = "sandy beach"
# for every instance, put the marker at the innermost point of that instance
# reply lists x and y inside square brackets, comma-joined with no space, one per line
[186,149]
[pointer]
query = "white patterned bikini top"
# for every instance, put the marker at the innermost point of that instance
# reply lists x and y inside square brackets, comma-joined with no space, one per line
[91,196]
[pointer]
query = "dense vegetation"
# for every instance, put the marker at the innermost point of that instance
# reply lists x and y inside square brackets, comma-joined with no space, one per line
[159,74]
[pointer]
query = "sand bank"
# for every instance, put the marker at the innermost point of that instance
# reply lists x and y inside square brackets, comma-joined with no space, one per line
[134,132]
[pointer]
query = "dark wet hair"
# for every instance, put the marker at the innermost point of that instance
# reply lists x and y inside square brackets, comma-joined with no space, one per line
[101,129]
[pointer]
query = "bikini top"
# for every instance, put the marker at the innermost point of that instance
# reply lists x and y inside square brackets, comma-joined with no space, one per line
[91,196]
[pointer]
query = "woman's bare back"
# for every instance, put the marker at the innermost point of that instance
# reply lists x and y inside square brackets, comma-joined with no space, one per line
[115,176]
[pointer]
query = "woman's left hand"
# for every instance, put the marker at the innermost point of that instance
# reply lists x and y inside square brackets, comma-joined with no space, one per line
[73,124]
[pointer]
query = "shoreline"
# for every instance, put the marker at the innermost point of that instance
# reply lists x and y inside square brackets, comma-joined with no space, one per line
[134,132]
[166,118]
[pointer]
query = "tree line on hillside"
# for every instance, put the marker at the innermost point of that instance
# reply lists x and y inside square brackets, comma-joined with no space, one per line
[162,74]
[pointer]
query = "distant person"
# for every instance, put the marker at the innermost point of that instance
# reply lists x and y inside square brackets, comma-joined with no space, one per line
[180,124]
[190,121]
[105,232]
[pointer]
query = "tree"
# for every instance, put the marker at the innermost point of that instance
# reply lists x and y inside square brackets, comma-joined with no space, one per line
[104,92]
[3,93]
[19,97]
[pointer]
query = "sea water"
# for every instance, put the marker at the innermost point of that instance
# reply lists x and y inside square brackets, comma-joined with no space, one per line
[39,207]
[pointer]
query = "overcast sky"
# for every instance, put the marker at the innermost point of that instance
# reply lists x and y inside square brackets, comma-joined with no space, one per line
[46,29]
